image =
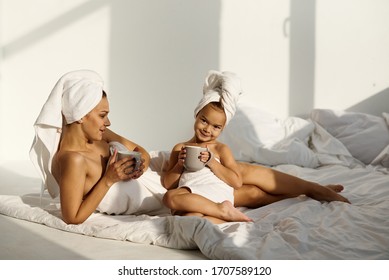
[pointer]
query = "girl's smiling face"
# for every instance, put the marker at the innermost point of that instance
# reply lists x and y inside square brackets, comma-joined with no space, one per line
[209,123]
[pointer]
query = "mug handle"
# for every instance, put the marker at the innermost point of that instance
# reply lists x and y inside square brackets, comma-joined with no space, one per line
[137,163]
[210,156]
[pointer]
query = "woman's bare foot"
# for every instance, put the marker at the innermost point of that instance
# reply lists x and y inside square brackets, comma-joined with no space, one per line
[230,214]
[328,193]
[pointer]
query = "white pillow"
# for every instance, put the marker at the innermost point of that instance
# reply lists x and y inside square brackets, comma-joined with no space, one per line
[257,136]
[365,136]
[386,117]
[382,158]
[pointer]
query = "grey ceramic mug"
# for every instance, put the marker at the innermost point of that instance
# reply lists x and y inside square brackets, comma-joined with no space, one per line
[135,155]
[192,160]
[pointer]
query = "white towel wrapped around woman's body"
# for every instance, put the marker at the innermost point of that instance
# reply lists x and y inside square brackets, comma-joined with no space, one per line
[140,196]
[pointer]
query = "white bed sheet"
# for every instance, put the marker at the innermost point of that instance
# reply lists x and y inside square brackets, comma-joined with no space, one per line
[296,228]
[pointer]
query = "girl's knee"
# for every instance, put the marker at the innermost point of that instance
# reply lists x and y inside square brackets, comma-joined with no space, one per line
[167,199]
[170,198]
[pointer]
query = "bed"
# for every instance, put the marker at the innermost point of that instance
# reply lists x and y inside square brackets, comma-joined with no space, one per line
[328,146]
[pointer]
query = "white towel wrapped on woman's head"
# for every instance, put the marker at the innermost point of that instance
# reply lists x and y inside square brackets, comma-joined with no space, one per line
[74,95]
[224,87]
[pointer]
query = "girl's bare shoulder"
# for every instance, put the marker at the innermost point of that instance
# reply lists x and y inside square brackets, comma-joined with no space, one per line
[178,146]
[219,146]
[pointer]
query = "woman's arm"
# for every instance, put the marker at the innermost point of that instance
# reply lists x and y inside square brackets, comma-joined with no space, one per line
[110,136]
[75,206]
[227,170]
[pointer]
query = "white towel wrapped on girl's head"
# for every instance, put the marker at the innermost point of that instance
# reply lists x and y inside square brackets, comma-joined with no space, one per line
[224,87]
[74,95]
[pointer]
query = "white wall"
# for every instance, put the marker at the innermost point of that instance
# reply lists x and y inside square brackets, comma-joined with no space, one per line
[352,57]
[302,54]
[154,54]
[254,44]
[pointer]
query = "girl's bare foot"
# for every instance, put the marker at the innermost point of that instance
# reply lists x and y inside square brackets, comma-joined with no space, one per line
[231,214]
[337,188]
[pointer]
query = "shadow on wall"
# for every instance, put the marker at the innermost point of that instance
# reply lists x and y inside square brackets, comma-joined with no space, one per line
[374,105]
[162,50]
[302,65]
[51,27]
[302,56]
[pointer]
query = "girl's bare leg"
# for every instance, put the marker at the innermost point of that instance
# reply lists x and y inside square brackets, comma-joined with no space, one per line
[253,197]
[276,185]
[209,218]
[182,200]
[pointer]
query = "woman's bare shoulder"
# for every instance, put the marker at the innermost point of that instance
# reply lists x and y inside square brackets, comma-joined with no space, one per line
[70,159]
[67,163]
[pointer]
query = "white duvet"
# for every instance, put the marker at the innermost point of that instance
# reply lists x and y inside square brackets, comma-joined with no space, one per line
[296,228]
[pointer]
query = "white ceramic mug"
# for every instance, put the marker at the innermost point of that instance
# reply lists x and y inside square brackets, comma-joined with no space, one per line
[133,154]
[192,160]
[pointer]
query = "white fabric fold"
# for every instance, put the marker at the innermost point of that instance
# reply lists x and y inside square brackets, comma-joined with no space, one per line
[74,95]
[224,87]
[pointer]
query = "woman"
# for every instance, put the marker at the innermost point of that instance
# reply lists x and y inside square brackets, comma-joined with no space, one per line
[71,147]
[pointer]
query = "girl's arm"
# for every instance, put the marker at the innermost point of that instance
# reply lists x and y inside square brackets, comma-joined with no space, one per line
[227,170]
[175,168]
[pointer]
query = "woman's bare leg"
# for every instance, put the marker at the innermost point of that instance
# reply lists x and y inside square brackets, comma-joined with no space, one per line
[277,185]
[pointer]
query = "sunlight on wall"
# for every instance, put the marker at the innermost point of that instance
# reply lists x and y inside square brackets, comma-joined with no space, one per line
[255,45]
[352,61]
[157,53]
[41,41]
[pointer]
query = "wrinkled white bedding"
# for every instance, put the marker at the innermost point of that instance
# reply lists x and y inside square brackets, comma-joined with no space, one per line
[296,228]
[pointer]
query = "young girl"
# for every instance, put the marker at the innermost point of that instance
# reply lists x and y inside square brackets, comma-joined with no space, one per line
[190,193]
[213,191]
[215,182]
